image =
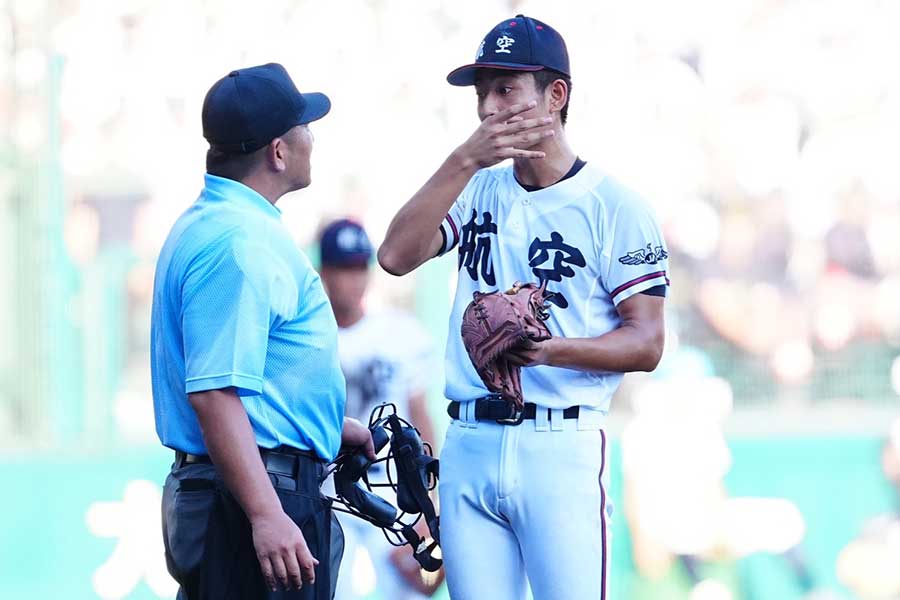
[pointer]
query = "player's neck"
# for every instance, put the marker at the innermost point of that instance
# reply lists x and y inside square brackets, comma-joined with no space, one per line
[348,317]
[544,172]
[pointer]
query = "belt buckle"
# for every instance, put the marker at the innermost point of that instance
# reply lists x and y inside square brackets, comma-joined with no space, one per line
[516,417]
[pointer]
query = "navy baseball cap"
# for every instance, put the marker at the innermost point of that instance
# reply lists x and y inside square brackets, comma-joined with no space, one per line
[519,44]
[248,108]
[344,243]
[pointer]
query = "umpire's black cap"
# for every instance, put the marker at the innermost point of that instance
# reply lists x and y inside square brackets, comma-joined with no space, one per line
[248,108]
[519,44]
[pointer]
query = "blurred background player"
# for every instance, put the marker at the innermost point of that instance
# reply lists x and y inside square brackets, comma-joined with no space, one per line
[385,357]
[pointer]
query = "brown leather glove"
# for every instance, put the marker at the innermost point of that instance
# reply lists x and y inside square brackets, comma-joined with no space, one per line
[496,323]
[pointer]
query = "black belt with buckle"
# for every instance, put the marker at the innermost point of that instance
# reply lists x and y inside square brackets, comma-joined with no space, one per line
[186,458]
[491,408]
[286,466]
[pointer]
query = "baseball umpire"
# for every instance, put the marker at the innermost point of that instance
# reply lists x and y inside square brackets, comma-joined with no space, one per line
[247,387]
[523,488]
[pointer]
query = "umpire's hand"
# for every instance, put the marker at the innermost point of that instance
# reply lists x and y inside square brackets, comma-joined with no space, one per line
[283,554]
[356,435]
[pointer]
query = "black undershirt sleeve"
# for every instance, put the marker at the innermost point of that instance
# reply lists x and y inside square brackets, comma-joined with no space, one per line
[656,290]
[443,241]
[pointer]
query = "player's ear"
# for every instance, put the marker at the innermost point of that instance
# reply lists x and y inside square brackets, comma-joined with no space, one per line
[558,92]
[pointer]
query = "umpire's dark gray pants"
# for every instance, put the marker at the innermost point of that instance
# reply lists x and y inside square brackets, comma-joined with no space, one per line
[208,539]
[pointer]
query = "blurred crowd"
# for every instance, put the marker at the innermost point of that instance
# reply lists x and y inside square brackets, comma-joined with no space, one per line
[764,132]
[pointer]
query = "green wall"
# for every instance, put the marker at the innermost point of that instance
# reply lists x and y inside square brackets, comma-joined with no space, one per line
[47,549]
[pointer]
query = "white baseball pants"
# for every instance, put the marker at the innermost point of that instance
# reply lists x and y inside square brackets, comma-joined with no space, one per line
[525,505]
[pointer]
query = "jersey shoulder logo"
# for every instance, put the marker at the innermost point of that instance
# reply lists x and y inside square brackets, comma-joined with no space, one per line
[503,44]
[644,256]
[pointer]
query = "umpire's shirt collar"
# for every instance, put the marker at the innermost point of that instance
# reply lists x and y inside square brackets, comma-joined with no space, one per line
[229,190]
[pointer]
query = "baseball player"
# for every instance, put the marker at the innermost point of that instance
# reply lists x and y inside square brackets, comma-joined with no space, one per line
[376,372]
[524,493]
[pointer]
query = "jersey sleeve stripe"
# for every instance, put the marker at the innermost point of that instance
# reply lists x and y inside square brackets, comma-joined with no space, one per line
[443,247]
[638,280]
[455,231]
[450,235]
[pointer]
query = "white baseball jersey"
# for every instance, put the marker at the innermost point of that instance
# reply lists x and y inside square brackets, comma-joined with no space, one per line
[377,368]
[595,242]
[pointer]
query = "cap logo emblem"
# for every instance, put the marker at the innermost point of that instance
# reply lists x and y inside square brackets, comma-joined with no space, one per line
[480,50]
[350,240]
[503,44]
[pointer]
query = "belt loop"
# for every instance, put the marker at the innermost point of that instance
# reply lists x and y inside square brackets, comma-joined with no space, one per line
[541,418]
[590,419]
[471,421]
[463,415]
[556,419]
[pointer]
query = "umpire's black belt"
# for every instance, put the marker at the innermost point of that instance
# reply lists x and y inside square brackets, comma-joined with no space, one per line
[282,463]
[490,408]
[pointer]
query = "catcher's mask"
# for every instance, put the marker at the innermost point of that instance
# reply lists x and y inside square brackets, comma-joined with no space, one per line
[414,473]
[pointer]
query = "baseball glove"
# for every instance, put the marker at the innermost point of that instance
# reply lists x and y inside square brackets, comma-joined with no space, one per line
[497,323]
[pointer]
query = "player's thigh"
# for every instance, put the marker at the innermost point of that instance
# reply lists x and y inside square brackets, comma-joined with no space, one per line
[563,523]
[482,558]
[570,562]
[481,553]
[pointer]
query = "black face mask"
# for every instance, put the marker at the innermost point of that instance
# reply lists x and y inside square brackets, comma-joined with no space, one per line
[416,472]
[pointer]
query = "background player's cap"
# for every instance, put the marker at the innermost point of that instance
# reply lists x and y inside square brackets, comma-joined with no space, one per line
[519,44]
[344,243]
[248,108]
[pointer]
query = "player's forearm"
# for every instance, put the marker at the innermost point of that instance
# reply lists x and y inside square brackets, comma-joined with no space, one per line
[409,239]
[631,347]
[232,447]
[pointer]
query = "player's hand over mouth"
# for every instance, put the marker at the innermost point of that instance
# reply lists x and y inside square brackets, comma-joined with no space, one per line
[506,134]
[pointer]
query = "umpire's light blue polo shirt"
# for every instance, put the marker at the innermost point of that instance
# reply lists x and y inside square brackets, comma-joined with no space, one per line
[237,304]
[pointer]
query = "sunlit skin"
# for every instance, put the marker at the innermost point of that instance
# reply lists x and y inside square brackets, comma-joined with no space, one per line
[299,155]
[285,165]
[499,90]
